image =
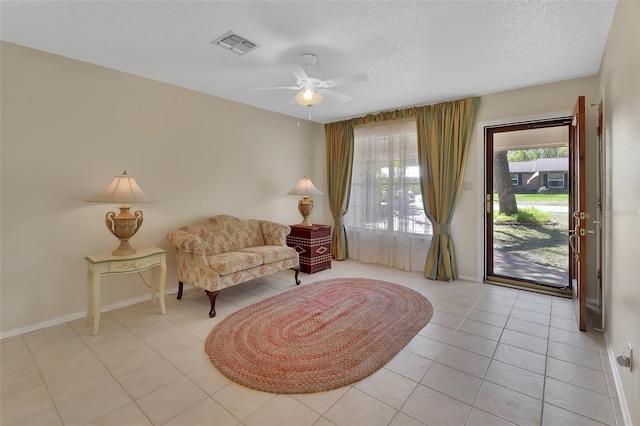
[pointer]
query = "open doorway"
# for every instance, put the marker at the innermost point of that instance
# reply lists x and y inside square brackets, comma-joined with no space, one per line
[527,182]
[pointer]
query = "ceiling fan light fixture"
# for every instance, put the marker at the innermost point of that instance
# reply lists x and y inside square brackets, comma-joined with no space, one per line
[309,97]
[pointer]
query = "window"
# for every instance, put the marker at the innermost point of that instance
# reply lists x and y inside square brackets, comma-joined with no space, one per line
[515,179]
[385,187]
[556,180]
[385,221]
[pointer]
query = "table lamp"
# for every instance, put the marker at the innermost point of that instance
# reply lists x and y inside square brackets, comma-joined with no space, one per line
[305,188]
[123,189]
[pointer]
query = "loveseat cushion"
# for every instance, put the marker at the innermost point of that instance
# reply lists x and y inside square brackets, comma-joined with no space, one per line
[228,263]
[272,254]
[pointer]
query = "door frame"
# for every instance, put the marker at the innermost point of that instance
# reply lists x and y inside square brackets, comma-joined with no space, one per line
[487,179]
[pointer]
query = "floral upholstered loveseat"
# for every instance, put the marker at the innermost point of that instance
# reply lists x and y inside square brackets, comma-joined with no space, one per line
[224,251]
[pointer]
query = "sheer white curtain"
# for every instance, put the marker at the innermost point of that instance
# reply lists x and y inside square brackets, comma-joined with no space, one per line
[385,221]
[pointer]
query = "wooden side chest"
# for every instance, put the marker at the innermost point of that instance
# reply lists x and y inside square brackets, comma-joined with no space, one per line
[313,244]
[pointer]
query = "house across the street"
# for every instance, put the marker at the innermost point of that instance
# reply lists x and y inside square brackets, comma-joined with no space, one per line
[530,176]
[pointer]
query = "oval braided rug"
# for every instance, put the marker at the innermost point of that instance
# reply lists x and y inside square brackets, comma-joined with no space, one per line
[317,337]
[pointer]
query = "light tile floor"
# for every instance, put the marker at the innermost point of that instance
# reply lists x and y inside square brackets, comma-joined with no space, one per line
[490,356]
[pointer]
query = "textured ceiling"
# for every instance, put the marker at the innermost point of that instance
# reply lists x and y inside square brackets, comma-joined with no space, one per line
[414,53]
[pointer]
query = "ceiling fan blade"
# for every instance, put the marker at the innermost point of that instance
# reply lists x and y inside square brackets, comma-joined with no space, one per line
[298,72]
[341,81]
[335,95]
[276,88]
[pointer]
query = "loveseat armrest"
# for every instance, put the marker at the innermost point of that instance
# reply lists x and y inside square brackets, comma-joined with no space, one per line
[274,234]
[186,242]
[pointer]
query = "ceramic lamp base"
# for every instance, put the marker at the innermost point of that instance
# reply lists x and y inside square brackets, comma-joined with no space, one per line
[305,207]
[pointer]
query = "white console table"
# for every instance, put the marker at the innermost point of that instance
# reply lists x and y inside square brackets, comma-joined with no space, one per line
[153,258]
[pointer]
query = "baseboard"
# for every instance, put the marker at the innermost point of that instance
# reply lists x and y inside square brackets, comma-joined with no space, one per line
[626,415]
[76,316]
[469,278]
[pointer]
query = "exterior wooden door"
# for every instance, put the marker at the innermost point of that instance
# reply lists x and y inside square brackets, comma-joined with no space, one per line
[579,216]
[502,266]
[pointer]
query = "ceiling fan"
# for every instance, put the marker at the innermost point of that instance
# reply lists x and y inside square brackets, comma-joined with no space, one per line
[311,90]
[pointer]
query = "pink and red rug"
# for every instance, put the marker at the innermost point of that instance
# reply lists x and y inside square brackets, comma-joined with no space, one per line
[317,337]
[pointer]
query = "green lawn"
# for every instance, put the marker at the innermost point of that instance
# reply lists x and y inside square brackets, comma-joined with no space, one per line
[525,215]
[547,199]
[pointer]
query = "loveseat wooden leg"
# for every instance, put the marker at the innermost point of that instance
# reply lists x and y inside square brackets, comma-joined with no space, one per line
[212,299]
[180,285]
[297,269]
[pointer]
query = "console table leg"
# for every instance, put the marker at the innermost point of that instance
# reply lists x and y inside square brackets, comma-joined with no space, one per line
[162,282]
[95,290]
[154,285]
[297,269]
[88,320]
[158,276]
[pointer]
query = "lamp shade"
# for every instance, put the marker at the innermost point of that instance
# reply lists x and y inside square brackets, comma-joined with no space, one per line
[305,187]
[123,189]
[309,97]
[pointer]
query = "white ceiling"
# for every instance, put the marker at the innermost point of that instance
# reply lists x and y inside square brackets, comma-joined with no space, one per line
[414,52]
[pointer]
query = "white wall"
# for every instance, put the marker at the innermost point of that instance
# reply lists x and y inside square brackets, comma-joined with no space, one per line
[68,127]
[620,91]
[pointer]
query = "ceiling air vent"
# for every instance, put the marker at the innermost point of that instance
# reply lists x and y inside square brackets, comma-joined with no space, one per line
[235,43]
